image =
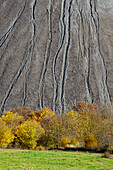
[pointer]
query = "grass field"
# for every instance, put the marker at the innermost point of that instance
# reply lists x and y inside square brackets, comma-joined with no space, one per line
[51,160]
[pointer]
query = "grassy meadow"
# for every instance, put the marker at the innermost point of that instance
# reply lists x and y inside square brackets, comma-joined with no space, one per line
[52,160]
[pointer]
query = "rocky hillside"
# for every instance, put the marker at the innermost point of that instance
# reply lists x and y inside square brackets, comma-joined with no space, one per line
[55,52]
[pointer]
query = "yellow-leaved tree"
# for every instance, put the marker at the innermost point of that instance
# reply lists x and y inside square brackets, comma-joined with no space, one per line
[47,119]
[90,141]
[12,119]
[28,133]
[6,135]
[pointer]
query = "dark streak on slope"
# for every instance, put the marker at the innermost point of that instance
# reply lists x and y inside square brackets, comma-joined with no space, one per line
[56,57]
[6,35]
[34,5]
[66,56]
[47,56]
[16,77]
[81,15]
[88,76]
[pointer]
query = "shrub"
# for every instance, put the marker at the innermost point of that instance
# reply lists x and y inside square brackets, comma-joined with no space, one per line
[47,140]
[75,142]
[12,119]
[28,133]
[41,148]
[6,135]
[90,142]
[64,142]
[24,112]
[44,114]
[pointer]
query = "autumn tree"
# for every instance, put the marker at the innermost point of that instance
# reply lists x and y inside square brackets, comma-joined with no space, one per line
[28,133]
[6,136]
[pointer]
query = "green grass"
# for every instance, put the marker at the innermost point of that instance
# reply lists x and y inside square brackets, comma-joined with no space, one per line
[51,160]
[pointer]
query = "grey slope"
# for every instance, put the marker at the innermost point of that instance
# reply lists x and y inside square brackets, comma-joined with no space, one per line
[54,53]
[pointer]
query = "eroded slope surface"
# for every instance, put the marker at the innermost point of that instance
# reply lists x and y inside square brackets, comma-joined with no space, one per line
[55,52]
